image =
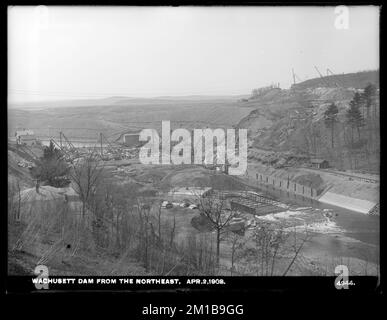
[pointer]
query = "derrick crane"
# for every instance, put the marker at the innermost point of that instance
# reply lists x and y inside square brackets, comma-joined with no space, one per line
[69,144]
[108,142]
[321,76]
[65,153]
[336,82]
[110,145]
[55,143]
[71,147]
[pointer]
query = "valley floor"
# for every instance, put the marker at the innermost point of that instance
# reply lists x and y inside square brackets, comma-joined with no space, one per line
[333,238]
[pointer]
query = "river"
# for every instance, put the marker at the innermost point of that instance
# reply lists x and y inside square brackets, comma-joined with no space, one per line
[351,235]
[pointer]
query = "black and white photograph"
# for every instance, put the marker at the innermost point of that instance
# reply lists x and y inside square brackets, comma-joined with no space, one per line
[208,143]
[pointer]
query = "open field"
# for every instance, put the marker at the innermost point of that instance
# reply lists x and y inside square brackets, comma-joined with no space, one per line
[114,119]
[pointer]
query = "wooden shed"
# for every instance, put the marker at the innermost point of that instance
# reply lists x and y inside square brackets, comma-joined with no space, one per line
[319,163]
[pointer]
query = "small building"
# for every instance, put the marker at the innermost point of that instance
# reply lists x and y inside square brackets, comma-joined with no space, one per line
[319,163]
[26,137]
[131,139]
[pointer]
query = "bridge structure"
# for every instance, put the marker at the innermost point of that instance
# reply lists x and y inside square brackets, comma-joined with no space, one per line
[252,202]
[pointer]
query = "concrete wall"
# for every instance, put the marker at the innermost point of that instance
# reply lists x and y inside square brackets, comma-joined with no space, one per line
[282,184]
[350,203]
[354,204]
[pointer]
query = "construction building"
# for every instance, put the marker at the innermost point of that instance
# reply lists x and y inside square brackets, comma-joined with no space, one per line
[25,137]
[131,139]
[251,202]
[319,163]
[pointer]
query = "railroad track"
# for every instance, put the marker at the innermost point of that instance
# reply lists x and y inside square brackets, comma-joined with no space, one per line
[355,177]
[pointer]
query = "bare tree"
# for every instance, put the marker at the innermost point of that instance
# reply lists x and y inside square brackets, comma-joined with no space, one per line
[173,231]
[237,243]
[218,215]
[146,231]
[272,244]
[296,247]
[86,174]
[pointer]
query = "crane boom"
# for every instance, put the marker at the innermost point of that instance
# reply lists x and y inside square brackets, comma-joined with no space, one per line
[336,82]
[68,142]
[321,76]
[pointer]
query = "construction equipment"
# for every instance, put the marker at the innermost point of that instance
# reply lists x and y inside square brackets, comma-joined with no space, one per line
[321,76]
[65,153]
[112,148]
[336,82]
[71,146]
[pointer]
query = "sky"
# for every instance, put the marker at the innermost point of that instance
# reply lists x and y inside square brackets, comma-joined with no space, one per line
[74,52]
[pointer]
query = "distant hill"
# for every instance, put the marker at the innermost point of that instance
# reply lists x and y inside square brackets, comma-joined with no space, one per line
[125,101]
[118,115]
[356,80]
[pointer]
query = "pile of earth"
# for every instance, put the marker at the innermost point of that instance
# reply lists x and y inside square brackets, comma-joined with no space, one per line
[334,94]
[201,177]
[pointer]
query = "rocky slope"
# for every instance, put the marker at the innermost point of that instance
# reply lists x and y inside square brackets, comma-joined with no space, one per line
[290,123]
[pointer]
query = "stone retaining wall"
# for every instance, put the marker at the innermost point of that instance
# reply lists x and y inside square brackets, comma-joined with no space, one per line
[283,184]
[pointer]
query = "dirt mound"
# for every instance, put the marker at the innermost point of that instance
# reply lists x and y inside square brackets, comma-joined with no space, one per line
[151,175]
[349,80]
[201,177]
[334,94]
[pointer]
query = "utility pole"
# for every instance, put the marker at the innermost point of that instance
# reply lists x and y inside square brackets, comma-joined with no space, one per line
[294,76]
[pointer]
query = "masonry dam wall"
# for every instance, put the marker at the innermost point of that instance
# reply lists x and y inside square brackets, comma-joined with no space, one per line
[283,184]
[330,196]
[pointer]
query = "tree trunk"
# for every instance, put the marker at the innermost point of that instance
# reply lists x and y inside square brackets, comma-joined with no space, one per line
[146,250]
[232,260]
[217,246]
[83,208]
